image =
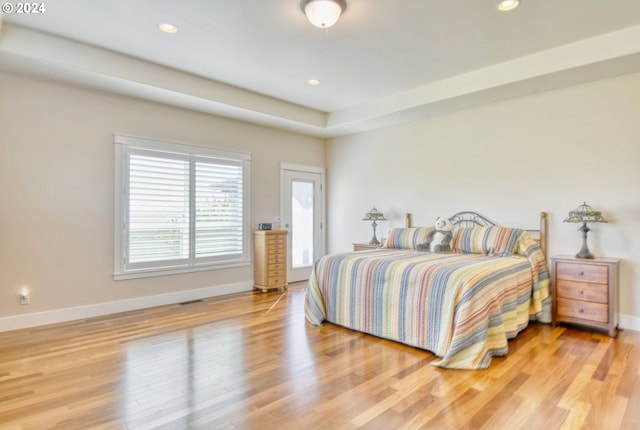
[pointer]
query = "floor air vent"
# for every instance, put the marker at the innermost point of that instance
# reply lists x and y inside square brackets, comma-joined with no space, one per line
[190,302]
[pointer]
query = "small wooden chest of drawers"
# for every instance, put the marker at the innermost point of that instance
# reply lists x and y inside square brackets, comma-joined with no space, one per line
[584,291]
[270,259]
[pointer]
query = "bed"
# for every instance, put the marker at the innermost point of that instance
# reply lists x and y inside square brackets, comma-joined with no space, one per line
[463,305]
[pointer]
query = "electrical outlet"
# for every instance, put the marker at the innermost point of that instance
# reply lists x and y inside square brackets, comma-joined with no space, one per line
[24,297]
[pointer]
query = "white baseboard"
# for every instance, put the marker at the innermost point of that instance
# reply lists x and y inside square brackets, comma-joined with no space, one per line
[17,322]
[629,322]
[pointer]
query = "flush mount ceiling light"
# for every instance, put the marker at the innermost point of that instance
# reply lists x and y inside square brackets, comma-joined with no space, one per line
[168,28]
[507,5]
[323,13]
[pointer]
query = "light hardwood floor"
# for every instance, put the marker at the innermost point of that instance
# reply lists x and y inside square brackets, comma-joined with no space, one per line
[249,361]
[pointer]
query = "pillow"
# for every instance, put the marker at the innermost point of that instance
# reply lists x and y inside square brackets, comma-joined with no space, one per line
[539,272]
[407,238]
[492,240]
[528,247]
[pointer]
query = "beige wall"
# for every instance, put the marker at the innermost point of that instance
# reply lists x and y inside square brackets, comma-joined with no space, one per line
[509,161]
[56,202]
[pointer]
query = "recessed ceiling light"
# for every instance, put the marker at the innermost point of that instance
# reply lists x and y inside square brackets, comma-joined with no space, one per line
[507,5]
[313,82]
[168,28]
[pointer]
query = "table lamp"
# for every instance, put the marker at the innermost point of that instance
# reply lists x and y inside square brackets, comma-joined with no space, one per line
[374,215]
[584,214]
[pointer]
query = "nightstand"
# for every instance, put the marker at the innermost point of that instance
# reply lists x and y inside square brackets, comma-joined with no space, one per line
[364,247]
[584,291]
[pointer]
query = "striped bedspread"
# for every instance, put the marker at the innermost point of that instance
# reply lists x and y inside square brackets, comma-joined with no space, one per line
[461,307]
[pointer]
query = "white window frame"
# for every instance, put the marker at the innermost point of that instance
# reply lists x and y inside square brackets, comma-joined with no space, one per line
[124,145]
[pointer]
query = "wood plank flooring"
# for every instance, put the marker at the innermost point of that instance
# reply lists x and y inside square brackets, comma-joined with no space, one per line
[250,361]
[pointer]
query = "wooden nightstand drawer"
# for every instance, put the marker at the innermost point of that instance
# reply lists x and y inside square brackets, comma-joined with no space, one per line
[583,310]
[582,272]
[598,293]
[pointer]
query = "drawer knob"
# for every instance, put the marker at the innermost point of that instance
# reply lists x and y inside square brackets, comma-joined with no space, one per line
[581,273]
[581,310]
[581,292]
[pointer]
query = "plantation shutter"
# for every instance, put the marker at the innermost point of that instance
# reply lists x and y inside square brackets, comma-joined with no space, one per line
[219,207]
[179,208]
[158,207]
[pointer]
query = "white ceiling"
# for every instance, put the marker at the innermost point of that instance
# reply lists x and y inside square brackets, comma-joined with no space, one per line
[385,61]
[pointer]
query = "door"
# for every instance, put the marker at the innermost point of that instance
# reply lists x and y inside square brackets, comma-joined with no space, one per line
[302,213]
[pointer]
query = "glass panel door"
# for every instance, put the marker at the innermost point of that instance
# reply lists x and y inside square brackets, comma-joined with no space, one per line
[301,231]
[302,217]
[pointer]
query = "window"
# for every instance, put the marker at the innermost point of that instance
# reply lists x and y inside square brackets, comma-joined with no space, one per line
[179,208]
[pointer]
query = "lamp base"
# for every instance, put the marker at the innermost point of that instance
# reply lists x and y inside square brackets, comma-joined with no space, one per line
[584,254]
[374,240]
[584,251]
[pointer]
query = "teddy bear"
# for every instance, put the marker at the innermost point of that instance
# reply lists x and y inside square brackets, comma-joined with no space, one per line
[438,239]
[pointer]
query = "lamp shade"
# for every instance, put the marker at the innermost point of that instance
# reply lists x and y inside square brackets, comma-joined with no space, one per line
[585,213]
[374,215]
[323,13]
